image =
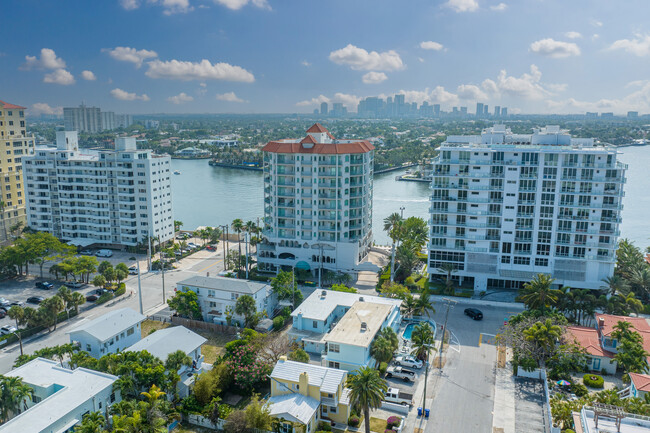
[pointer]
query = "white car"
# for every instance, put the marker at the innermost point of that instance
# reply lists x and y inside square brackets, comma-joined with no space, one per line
[133,270]
[9,329]
[104,253]
[408,361]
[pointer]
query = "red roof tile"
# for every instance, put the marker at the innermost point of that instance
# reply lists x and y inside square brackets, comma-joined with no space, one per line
[317,127]
[641,381]
[9,106]
[640,324]
[318,148]
[588,339]
[308,139]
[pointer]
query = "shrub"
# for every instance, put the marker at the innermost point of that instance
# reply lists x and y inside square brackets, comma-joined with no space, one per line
[278,323]
[286,313]
[579,389]
[354,421]
[568,431]
[105,297]
[393,421]
[324,426]
[120,290]
[389,431]
[593,380]
[382,368]
[299,355]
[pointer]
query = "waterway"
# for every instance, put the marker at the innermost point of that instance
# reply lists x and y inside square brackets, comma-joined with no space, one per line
[205,195]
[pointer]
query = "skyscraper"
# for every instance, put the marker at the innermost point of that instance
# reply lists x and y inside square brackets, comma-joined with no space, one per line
[506,207]
[82,119]
[497,111]
[323,108]
[479,109]
[486,111]
[504,111]
[436,110]
[317,202]
[13,138]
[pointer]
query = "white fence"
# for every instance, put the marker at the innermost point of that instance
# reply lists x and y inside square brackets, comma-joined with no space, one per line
[535,374]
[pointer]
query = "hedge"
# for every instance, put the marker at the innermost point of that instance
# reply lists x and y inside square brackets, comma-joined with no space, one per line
[593,381]
[28,332]
[324,426]
[278,323]
[105,297]
[382,368]
[354,421]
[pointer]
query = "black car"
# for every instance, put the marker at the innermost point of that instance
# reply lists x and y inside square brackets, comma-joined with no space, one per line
[44,285]
[92,298]
[474,313]
[35,299]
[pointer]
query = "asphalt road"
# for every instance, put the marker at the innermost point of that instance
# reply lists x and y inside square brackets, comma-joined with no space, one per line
[463,392]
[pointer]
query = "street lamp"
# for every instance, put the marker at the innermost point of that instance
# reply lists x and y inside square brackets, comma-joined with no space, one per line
[20,341]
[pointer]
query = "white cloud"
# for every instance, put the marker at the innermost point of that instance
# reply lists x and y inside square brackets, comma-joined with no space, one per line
[204,70]
[490,86]
[123,95]
[313,101]
[499,8]
[573,35]
[132,55]
[471,92]
[181,98]
[431,45]
[555,49]
[59,76]
[171,7]
[88,75]
[47,60]
[238,4]
[462,5]
[637,83]
[374,78]
[360,59]
[596,23]
[527,86]
[595,36]
[638,100]
[420,59]
[305,63]
[639,46]
[350,101]
[557,88]
[130,5]
[229,97]
[43,108]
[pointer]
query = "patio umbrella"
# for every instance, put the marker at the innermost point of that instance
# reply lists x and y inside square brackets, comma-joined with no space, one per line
[563,382]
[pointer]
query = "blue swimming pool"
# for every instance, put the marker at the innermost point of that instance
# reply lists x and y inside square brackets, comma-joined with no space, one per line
[408,331]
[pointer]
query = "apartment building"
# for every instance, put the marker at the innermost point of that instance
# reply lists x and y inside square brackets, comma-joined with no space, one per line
[82,119]
[15,143]
[317,202]
[107,198]
[507,206]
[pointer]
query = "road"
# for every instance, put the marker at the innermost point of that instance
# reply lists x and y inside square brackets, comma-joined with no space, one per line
[463,392]
[199,263]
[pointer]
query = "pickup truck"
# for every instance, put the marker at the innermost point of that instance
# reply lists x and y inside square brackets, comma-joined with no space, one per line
[400,373]
[394,395]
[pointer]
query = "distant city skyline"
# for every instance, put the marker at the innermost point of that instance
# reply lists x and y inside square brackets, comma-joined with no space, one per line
[266,56]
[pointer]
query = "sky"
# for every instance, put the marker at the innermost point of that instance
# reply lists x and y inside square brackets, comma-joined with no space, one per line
[288,56]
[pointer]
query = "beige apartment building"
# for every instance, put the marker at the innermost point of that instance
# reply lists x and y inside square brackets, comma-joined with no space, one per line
[14,144]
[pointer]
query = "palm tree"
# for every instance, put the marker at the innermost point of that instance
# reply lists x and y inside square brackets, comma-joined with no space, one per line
[422,339]
[66,295]
[76,299]
[182,245]
[238,226]
[640,277]
[381,349]
[538,294]
[616,284]
[250,228]
[176,360]
[409,306]
[17,313]
[543,337]
[424,305]
[13,396]
[392,226]
[93,422]
[367,390]
[4,221]
[448,269]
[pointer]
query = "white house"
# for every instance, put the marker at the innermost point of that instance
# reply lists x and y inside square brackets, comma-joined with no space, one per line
[598,358]
[341,326]
[165,341]
[216,294]
[110,333]
[61,397]
[192,152]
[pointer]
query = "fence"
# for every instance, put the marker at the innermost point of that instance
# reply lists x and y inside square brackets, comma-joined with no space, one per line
[199,324]
[548,417]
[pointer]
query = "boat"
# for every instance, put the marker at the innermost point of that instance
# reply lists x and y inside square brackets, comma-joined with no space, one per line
[177,172]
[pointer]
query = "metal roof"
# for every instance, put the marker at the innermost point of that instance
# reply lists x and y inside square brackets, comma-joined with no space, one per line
[165,341]
[110,324]
[321,303]
[327,379]
[222,283]
[296,406]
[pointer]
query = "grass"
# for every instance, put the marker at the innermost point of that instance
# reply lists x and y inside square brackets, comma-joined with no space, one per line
[151,325]
[188,428]
[215,346]
[377,424]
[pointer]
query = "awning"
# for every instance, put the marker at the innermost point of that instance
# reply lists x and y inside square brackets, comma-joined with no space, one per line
[81,242]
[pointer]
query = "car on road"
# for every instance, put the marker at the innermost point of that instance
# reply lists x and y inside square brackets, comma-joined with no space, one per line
[400,373]
[474,313]
[3,313]
[104,253]
[408,361]
[73,284]
[8,329]
[92,298]
[86,252]
[44,285]
[133,270]
[192,245]
[211,248]
[35,299]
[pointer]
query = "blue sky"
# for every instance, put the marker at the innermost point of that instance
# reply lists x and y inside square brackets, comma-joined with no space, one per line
[269,56]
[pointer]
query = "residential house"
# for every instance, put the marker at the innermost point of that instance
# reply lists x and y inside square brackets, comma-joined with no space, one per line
[341,326]
[192,152]
[61,397]
[605,323]
[218,296]
[598,359]
[639,385]
[109,333]
[307,394]
[165,341]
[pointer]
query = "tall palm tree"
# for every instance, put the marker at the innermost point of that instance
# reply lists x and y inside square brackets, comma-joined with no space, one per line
[448,269]
[238,226]
[392,226]
[538,294]
[640,277]
[424,305]
[408,306]
[367,390]
[250,228]
[13,396]
[422,339]
[381,349]
[543,337]
[76,299]
[615,284]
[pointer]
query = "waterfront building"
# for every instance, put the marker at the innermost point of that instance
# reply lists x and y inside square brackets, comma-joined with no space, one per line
[14,138]
[506,207]
[123,120]
[82,119]
[317,203]
[108,198]
[192,152]
[108,120]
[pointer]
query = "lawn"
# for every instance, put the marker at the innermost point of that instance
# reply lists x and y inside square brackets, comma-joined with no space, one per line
[377,424]
[214,347]
[152,325]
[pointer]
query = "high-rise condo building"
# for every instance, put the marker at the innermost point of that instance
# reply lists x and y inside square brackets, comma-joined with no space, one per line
[317,202]
[479,109]
[82,119]
[506,207]
[323,108]
[16,144]
[107,198]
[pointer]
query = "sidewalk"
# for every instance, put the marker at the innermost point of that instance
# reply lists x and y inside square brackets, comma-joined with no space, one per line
[503,420]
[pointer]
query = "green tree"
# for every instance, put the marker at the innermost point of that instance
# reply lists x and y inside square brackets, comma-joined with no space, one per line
[616,284]
[76,299]
[343,288]
[448,269]
[423,340]
[299,355]
[367,390]
[176,360]
[258,415]
[381,349]
[245,306]
[393,227]
[186,304]
[285,287]
[544,337]
[423,304]
[238,227]
[17,313]
[631,355]
[14,394]
[99,281]
[538,294]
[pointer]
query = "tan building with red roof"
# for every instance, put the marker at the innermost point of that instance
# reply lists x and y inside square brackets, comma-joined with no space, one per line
[16,142]
[317,202]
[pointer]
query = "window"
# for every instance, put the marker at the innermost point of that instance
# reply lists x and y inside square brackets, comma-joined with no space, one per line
[315,324]
[334,364]
[522,260]
[334,348]
[541,262]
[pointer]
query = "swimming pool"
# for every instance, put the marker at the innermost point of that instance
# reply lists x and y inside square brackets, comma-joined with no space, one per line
[408,331]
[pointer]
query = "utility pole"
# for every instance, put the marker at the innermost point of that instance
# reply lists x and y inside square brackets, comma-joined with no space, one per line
[426,378]
[246,239]
[20,341]
[162,266]
[140,289]
[149,252]
[444,329]
[223,235]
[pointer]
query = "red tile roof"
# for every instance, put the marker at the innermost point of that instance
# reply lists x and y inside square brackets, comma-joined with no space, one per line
[641,381]
[308,139]
[588,339]
[317,127]
[318,148]
[640,324]
[9,106]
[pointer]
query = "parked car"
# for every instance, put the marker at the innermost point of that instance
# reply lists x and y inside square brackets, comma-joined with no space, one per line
[86,252]
[8,329]
[35,299]
[44,285]
[73,285]
[104,253]
[394,395]
[133,270]
[408,361]
[474,313]
[400,373]
[3,313]
[192,245]
[92,298]
[99,292]
[16,303]
[211,248]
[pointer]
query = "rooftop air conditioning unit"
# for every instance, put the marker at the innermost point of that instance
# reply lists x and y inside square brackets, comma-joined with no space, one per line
[364,326]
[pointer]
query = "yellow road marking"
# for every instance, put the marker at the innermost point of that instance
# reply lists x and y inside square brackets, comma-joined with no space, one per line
[208,267]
